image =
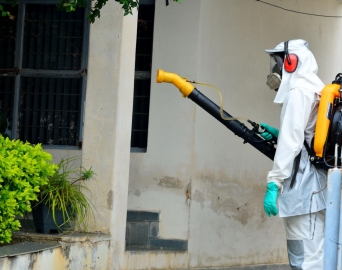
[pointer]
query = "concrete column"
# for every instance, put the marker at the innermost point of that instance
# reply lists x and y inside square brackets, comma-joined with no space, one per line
[108,116]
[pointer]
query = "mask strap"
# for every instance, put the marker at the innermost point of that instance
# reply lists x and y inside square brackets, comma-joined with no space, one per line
[286,50]
[279,62]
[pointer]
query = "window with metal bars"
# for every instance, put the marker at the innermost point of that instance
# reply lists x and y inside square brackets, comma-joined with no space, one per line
[142,82]
[43,60]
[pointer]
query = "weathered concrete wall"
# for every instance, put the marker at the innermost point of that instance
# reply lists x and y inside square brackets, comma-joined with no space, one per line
[220,42]
[75,252]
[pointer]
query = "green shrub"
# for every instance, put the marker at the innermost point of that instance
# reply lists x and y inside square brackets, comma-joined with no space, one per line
[24,168]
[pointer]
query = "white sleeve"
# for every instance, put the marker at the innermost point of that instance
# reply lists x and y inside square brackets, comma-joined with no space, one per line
[293,121]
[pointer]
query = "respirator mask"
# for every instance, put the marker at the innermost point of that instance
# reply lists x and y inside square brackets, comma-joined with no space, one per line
[276,71]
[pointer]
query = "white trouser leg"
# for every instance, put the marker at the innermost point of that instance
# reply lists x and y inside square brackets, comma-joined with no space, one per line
[305,242]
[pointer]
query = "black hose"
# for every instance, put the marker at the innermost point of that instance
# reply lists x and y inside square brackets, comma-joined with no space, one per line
[239,129]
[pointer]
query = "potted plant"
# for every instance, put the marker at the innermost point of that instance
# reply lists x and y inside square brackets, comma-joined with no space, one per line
[64,203]
[24,169]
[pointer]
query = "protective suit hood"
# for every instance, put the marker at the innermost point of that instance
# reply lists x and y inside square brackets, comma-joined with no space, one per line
[304,76]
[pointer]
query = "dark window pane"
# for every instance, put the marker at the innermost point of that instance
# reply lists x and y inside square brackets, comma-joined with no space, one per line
[49,110]
[145,21]
[142,88]
[139,139]
[140,122]
[8,30]
[141,107]
[143,61]
[143,56]
[6,104]
[52,38]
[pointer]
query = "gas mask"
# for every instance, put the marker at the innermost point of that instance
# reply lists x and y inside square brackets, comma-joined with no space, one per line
[276,71]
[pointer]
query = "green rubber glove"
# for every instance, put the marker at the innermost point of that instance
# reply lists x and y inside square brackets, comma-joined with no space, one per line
[269,132]
[266,136]
[270,200]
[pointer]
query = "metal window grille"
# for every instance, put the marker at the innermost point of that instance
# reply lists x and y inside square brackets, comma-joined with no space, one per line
[142,82]
[43,73]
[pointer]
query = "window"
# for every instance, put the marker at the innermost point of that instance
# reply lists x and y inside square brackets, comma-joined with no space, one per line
[43,60]
[142,82]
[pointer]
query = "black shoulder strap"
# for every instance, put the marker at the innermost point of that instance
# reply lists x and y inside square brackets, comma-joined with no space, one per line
[308,148]
[297,161]
[296,164]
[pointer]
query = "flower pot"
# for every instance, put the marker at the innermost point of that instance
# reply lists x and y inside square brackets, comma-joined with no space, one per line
[43,220]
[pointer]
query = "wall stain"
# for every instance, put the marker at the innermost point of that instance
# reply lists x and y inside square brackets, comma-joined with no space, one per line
[188,194]
[199,197]
[170,182]
[33,260]
[239,198]
[137,192]
[110,200]
[66,251]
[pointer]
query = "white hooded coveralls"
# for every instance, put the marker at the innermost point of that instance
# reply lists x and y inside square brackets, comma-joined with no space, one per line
[299,95]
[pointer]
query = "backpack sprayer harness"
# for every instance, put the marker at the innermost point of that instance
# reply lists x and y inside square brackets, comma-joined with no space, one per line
[328,129]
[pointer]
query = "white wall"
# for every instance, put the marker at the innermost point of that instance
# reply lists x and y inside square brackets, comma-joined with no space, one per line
[221,42]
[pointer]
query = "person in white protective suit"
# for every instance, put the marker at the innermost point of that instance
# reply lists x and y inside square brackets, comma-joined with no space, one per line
[293,180]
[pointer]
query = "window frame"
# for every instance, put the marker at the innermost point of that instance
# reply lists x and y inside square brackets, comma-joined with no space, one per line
[17,72]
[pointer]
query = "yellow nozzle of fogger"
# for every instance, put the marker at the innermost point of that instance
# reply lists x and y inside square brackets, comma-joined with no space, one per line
[184,87]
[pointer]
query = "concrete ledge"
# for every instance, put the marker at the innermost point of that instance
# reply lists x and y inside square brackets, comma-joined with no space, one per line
[19,237]
[25,248]
[253,267]
[59,251]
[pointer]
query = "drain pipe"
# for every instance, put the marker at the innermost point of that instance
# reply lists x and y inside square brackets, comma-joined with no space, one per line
[332,216]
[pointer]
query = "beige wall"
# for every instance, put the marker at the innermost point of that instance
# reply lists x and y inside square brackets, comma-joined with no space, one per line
[221,42]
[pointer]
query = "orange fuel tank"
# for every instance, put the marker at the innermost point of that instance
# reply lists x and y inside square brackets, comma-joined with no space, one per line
[325,111]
